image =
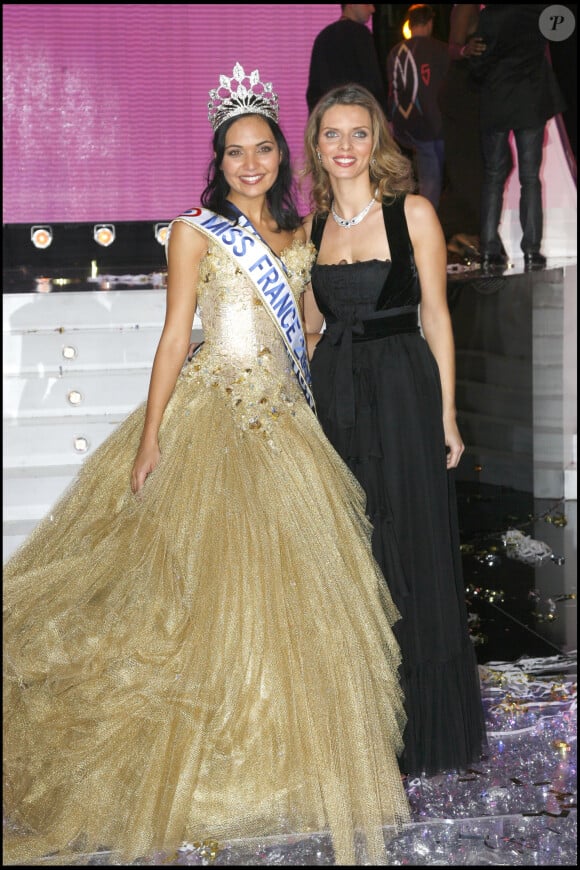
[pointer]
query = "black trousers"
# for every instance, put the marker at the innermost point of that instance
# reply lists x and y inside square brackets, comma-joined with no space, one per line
[497,165]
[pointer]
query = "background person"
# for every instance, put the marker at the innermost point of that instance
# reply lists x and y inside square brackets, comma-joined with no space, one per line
[415,69]
[459,209]
[345,52]
[519,93]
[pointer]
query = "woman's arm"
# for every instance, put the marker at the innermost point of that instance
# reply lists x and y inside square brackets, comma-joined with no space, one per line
[313,319]
[185,251]
[431,260]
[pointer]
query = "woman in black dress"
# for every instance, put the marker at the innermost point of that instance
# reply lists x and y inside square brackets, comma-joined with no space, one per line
[385,394]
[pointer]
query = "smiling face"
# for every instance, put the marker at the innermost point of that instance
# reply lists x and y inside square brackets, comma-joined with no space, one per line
[345,141]
[251,158]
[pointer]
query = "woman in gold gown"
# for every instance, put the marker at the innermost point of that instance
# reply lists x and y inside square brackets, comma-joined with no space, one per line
[197,640]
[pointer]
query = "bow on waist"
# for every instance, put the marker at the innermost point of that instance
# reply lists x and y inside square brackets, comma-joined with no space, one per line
[351,328]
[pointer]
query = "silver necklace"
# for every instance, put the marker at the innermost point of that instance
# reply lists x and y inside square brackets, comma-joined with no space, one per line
[356,219]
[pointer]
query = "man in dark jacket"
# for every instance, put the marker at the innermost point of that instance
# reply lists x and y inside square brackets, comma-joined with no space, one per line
[345,52]
[416,68]
[519,93]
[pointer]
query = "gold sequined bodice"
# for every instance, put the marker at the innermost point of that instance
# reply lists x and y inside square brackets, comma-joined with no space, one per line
[243,355]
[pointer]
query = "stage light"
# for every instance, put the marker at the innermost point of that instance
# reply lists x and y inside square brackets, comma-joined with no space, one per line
[161,231]
[104,234]
[74,397]
[407,30]
[69,352]
[41,237]
[43,284]
[81,444]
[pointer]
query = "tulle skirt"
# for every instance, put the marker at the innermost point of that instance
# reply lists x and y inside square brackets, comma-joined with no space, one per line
[211,658]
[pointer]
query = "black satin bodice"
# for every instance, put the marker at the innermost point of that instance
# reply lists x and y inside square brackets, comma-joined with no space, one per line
[362,289]
[364,301]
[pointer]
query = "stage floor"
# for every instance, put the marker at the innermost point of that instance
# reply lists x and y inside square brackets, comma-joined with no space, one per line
[515,266]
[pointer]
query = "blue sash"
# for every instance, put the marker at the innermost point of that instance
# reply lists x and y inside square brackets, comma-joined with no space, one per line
[268,275]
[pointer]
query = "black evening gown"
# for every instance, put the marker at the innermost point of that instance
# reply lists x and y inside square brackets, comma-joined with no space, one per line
[378,396]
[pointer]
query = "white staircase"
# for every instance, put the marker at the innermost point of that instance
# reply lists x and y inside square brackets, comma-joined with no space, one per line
[516,363]
[75,364]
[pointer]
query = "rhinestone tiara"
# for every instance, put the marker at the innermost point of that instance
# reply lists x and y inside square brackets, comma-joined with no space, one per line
[226,102]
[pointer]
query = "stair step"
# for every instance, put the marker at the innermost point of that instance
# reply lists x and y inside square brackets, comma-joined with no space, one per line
[54,441]
[101,393]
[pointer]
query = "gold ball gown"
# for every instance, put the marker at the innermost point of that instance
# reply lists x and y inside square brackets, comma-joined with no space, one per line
[214,656]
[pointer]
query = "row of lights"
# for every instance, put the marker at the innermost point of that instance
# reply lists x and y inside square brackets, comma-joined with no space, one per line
[80,443]
[103,234]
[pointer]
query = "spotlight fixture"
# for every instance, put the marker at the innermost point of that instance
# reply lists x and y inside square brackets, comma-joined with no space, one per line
[43,284]
[41,236]
[161,231]
[104,234]
[74,397]
[81,444]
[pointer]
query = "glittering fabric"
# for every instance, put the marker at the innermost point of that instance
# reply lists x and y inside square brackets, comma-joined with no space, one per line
[213,658]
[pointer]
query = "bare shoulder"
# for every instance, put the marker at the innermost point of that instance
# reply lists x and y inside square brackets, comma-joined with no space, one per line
[420,215]
[418,207]
[187,239]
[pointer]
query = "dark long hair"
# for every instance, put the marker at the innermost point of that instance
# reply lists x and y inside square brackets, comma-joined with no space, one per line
[280,197]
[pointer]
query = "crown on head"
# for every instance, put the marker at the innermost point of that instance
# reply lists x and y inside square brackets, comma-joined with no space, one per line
[225,102]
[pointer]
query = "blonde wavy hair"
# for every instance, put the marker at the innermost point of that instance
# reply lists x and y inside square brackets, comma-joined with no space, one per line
[390,171]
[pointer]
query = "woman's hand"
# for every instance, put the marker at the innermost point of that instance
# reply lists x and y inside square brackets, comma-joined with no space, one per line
[146,461]
[453,442]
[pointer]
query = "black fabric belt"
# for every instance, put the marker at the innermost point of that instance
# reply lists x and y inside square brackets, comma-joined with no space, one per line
[349,330]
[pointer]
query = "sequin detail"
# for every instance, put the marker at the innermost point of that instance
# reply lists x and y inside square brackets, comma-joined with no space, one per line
[239,357]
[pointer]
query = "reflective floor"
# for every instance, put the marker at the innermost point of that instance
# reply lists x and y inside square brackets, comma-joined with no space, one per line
[521,598]
[517,806]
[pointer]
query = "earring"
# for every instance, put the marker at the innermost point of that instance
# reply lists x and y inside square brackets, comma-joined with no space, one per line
[319,155]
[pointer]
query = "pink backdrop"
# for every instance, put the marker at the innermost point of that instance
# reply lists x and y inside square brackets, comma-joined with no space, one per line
[105,105]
